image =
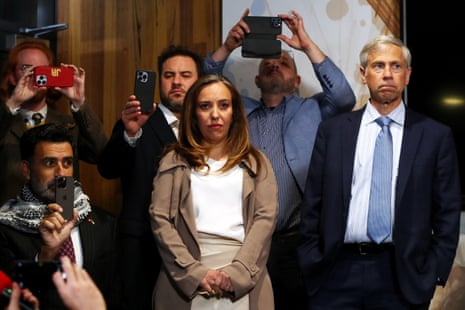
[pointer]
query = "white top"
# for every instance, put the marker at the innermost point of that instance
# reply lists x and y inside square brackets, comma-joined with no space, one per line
[361,180]
[217,200]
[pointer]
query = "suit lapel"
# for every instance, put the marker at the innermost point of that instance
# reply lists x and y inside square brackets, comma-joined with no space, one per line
[87,243]
[349,138]
[158,124]
[291,109]
[410,141]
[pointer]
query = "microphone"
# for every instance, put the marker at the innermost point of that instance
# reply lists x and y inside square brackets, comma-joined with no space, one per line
[6,289]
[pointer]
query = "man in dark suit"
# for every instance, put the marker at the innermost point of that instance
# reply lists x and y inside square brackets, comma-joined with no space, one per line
[132,154]
[345,265]
[32,226]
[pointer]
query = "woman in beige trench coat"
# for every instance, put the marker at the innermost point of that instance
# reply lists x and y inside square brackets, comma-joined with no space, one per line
[214,208]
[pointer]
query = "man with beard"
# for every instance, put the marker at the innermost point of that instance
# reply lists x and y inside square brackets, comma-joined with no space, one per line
[132,154]
[24,105]
[32,226]
[283,125]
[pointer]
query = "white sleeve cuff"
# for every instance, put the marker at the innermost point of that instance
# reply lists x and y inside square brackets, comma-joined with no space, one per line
[74,108]
[132,140]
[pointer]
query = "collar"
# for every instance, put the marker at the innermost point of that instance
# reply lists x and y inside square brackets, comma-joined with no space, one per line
[170,117]
[282,104]
[27,114]
[397,115]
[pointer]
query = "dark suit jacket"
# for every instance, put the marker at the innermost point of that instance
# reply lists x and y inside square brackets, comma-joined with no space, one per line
[97,232]
[427,203]
[136,168]
[85,126]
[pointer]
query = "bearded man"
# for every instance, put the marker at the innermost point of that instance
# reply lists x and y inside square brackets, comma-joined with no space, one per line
[33,227]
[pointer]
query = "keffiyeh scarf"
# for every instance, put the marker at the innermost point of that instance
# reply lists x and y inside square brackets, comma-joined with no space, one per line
[26,211]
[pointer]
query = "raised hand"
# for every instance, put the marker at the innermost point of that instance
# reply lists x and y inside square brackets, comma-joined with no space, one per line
[75,93]
[54,230]
[132,116]
[77,290]
[300,40]
[24,90]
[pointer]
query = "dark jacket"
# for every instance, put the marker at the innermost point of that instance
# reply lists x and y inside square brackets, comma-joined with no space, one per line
[97,232]
[427,203]
[85,126]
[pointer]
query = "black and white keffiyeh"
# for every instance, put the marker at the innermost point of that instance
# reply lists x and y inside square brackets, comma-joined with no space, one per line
[25,212]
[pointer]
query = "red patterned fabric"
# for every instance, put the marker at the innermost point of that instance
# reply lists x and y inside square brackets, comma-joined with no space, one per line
[68,249]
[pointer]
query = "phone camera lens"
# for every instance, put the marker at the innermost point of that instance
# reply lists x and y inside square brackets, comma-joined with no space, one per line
[276,22]
[61,182]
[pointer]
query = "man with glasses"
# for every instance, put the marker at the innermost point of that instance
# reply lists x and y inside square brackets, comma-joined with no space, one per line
[24,105]
[283,125]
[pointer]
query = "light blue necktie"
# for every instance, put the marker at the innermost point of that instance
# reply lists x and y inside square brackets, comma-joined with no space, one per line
[379,213]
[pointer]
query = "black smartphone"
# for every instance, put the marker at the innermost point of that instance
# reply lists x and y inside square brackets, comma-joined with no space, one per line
[144,89]
[64,195]
[35,275]
[261,41]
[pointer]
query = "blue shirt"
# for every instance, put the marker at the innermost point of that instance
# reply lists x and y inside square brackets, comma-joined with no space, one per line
[266,133]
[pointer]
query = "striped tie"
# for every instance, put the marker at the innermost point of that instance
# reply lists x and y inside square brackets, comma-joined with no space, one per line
[379,213]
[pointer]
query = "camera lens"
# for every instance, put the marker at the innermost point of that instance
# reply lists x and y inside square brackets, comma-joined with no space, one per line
[276,22]
[61,181]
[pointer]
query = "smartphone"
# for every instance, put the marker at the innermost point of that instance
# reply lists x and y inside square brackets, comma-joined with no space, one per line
[144,89]
[33,274]
[49,76]
[261,41]
[64,195]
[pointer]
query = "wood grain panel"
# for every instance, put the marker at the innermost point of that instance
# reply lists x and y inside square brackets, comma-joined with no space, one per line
[110,39]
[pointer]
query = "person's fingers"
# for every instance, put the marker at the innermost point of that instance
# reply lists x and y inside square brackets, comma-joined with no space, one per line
[68,267]
[246,13]
[52,222]
[243,25]
[14,297]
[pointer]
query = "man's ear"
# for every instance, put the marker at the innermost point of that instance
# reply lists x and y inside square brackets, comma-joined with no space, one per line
[298,80]
[362,74]
[26,169]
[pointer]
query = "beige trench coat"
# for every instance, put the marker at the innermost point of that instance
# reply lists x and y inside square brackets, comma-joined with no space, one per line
[173,225]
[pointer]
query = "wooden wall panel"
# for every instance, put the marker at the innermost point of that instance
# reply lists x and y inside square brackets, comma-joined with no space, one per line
[110,39]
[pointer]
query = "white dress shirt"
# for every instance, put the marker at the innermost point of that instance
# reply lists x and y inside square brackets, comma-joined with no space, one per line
[356,230]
